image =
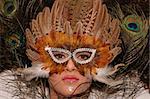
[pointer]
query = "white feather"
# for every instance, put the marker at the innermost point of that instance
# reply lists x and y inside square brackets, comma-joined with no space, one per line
[103,73]
[33,72]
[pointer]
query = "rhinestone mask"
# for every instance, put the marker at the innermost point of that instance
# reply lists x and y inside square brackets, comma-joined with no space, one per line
[80,55]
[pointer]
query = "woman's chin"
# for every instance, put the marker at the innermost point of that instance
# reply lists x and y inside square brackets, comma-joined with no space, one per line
[69,91]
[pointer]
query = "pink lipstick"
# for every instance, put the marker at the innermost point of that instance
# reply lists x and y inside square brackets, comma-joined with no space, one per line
[70,79]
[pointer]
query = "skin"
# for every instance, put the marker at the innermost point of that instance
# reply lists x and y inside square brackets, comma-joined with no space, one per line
[63,87]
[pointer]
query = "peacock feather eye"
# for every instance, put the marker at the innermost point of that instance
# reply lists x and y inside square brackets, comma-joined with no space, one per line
[14,40]
[132,23]
[8,7]
[133,27]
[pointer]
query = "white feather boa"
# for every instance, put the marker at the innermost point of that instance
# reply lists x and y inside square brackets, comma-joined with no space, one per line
[9,89]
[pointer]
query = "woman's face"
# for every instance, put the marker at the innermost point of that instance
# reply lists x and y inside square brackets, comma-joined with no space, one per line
[70,81]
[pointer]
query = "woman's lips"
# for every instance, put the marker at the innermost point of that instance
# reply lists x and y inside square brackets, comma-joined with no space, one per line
[70,79]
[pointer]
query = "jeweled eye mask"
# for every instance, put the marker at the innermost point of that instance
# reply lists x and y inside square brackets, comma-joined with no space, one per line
[80,55]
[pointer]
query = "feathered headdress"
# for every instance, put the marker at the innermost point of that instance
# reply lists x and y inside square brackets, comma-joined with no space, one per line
[70,25]
[87,20]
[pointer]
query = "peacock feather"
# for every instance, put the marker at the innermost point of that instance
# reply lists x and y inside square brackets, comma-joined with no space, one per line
[134,19]
[15,16]
[134,35]
[8,7]
[134,28]
[15,39]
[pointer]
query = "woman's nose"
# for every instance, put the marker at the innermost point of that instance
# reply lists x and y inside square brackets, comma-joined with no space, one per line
[70,66]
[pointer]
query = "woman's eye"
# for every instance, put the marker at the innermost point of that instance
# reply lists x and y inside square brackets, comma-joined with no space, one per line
[83,55]
[59,55]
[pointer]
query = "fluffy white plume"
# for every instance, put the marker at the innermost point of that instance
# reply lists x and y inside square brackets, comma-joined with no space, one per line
[33,72]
